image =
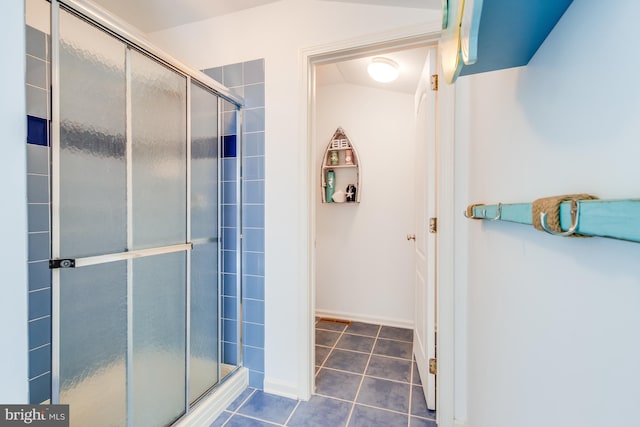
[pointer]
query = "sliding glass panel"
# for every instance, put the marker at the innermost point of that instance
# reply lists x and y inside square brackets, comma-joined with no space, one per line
[92,169]
[93,342]
[159,127]
[159,339]
[204,233]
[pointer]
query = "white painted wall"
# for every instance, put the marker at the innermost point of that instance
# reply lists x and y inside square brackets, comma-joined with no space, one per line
[279,32]
[13,217]
[553,322]
[365,266]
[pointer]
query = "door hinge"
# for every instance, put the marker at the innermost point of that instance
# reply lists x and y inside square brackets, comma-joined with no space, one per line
[62,263]
[433,366]
[433,225]
[434,82]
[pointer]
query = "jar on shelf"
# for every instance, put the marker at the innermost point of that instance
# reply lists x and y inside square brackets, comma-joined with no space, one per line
[333,158]
[348,157]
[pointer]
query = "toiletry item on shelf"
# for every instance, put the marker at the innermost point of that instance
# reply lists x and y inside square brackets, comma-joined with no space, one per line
[333,158]
[351,193]
[331,185]
[339,196]
[348,157]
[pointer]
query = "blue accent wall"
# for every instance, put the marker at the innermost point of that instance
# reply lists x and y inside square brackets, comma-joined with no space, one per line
[247,80]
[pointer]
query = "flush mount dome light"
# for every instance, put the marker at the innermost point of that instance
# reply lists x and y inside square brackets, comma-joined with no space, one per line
[383,70]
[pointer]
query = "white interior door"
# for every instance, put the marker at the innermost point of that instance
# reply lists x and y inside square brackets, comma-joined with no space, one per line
[425,242]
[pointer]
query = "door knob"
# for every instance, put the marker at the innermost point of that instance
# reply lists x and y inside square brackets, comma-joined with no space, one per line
[411,237]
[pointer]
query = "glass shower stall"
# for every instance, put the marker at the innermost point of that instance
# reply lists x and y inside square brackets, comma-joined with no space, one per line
[135,225]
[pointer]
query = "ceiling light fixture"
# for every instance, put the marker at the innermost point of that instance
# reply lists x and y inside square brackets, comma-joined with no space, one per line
[383,70]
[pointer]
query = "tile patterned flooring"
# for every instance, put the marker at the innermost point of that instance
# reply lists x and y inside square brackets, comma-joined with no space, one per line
[365,377]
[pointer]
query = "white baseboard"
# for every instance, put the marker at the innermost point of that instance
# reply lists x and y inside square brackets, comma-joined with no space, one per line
[281,388]
[460,423]
[400,323]
[209,408]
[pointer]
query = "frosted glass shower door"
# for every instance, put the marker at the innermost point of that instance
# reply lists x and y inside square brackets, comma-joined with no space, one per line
[120,241]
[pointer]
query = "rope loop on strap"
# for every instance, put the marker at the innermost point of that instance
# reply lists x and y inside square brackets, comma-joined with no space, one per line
[551,207]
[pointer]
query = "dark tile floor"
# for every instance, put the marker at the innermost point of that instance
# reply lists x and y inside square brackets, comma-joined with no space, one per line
[365,377]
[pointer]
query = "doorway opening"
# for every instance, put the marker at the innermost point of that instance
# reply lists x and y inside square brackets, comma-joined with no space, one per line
[363,255]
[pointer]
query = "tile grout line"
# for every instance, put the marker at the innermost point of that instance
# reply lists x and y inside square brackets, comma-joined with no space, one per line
[331,350]
[235,412]
[292,412]
[353,406]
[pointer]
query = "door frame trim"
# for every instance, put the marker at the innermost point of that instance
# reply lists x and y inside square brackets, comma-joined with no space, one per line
[308,58]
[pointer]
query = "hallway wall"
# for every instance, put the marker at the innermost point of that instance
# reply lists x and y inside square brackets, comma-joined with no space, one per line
[278,32]
[364,264]
[552,321]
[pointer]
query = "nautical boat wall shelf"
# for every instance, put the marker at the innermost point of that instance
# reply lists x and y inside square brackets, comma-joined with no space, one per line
[340,171]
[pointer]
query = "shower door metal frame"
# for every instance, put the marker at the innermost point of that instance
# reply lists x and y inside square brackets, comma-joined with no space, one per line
[132,40]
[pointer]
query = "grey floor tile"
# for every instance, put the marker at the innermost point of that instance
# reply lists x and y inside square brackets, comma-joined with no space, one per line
[389,368]
[371,417]
[331,326]
[341,385]
[419,422]
[416,375]
[240,399]
[326,338]
[345,360]
[400,334]
[321,354]
[419,404]
[240,421]
[360,328]
[392,348]
[222,418]
[268,407]
[384,394]
[355,342]
[320,412]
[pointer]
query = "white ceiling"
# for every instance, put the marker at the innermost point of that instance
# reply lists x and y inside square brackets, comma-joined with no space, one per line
[354,71]
[156,15]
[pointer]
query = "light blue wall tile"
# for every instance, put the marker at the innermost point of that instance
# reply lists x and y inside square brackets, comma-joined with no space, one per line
[36,43]
[37,189]
[39,361]
[253,287]
[36,72]
[253,334]
[37,159]
[232,75]
[214,73]
[39,303]
[254,120]
[253,216]
[39,275]
[230,308]
[230,285]
[40,389]
[229,216]
[256,379]
[253,167]
[253,192]
[254,95]
[230,353]
[229,238]
[254,71]
[229,123]
[253,239]
[39,332]
[229,262]
[239,91]
[38,246]
[253,311]
[38,217]
[229,169]
[230,331]
[253,144]
[253,263]
[229,193]
[254,358]
[37,102]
